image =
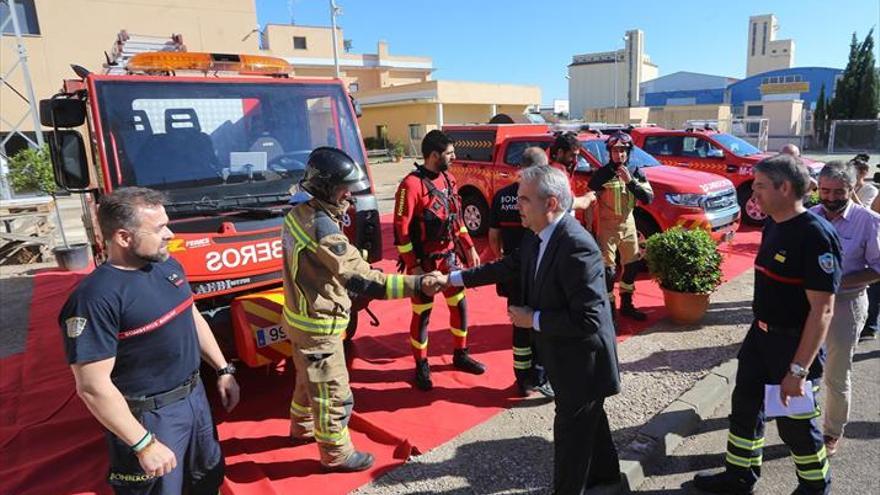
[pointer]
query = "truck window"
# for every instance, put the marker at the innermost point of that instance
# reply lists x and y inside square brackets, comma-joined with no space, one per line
[663,145]
[513,155]
[198,140]
[596,148]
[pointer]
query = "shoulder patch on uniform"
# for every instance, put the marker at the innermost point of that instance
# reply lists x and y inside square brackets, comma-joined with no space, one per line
[826,263]
[339,248]
[75,326]
[324,225]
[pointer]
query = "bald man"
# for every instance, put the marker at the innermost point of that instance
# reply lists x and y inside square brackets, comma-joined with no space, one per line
[790,149]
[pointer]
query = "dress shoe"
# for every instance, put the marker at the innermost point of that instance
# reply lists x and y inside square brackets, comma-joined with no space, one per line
[463,361]
[358,461]
[723,482]
[423,375]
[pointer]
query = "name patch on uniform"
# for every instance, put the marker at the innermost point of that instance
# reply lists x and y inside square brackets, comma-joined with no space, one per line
[75,326]
[826,263]
[175,279]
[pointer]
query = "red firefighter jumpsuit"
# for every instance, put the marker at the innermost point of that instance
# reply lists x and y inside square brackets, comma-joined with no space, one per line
[427,231]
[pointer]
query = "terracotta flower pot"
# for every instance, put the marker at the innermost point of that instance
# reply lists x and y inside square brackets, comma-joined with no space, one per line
[684,307]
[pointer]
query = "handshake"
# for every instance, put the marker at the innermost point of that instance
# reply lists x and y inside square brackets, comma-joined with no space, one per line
[434,282]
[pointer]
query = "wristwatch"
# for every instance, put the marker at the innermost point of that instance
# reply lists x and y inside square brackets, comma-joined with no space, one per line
[229,369]
[798,370]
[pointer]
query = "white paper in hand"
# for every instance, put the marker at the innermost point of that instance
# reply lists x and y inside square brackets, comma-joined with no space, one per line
[773,407]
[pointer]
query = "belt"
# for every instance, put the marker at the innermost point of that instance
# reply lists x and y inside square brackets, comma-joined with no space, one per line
[153,402]
[778,329]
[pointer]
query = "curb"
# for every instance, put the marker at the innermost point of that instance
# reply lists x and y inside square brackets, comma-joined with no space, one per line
[667,430]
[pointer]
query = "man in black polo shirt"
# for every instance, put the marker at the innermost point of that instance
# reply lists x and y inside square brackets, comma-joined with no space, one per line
[133,339]
[505,234]
[797,272]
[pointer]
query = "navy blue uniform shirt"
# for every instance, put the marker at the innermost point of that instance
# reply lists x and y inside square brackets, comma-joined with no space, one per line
[504,215]
[142,317]
[799,254]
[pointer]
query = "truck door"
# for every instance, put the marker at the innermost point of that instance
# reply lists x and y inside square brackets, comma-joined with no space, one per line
[666,149]
[508,166]
[701,154]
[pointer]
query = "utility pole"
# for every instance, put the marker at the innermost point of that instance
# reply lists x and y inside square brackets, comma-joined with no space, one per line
[334,11]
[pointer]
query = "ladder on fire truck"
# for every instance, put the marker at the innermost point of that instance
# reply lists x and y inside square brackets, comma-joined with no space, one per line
[129,45]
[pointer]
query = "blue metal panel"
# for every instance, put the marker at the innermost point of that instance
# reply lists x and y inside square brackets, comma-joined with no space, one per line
[701,97]
[749,89]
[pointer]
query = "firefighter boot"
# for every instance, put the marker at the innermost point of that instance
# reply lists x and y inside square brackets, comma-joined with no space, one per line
[462,361]
[722,482]
[423,375]
[357,461]
[627,308]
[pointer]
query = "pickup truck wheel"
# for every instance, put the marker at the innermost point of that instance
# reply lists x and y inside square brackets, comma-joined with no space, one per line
[475,214]
[751,212]
[646,227]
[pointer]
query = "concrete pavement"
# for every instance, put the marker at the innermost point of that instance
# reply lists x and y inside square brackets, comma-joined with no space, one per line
[854,468]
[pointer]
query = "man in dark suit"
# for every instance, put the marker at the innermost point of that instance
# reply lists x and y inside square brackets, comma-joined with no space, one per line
[565,303]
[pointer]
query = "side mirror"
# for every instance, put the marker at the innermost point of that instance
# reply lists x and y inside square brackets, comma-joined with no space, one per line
[62,111]
[358,112]
[715,153]
[69,161]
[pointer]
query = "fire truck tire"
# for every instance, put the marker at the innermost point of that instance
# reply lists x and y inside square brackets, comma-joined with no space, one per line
[646,227]
[751,212]
[475,213]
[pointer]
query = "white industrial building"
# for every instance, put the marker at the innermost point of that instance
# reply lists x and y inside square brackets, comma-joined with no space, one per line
[610,79]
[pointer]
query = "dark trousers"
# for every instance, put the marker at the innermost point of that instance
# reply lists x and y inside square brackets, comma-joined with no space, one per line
[872,325]
[584,453]
[185,427]
[764,359]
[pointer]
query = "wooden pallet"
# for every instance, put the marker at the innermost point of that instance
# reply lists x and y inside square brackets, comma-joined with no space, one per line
[9,208]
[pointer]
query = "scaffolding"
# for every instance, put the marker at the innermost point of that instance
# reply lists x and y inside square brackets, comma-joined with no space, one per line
[16,129]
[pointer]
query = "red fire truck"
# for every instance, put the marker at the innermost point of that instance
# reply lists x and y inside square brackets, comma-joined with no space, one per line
[226,137]
[712,151]
[487,157]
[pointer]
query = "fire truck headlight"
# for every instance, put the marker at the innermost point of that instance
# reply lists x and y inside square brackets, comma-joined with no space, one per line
[691,200]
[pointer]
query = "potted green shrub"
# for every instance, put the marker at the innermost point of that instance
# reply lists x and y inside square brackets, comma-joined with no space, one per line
[31,170]
[396,149]
[687,265]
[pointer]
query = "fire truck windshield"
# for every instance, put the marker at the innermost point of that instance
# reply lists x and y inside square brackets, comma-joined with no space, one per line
[209,140]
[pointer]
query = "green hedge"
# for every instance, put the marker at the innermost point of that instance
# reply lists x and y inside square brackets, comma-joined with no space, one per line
[684,260]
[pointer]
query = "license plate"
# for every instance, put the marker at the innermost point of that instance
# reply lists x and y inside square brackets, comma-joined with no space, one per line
[270,335]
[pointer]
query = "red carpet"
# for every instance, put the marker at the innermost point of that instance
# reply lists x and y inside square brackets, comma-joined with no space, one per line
[51,444]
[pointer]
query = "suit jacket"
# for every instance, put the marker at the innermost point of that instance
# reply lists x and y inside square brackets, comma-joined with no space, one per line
[577,341]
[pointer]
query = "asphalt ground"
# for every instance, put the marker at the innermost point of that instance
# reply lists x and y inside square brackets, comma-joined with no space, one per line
[854,468]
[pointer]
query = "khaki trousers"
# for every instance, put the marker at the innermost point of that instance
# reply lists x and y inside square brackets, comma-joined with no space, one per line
[850,313]
[322,400]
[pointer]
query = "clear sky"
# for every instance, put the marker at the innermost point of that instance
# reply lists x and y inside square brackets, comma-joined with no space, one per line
[532,42]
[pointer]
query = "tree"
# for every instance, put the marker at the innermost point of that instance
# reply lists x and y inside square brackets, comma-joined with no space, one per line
[857,92]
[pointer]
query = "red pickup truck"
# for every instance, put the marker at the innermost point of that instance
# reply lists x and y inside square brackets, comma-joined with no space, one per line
[487,157]
[711,151]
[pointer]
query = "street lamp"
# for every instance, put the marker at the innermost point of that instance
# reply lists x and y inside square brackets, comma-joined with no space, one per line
[335,11]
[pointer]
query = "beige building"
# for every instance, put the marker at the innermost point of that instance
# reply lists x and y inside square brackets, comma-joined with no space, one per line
[765,52]
[80,31]
[669,116]
[609,79]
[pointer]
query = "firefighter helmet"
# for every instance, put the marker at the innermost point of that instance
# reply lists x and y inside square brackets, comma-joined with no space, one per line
[619,139]
[329,168]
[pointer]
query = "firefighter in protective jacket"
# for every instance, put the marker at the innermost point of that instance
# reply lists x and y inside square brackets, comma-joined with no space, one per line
[430,235]
[321,267]
[618,186]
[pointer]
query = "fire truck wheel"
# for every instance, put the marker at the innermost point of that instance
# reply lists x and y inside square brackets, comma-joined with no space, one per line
[475,214]
[751,212]
[646,227]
